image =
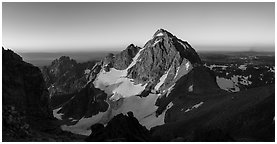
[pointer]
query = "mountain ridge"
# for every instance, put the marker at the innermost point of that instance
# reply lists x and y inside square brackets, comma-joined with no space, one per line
[146,75]
[160,92]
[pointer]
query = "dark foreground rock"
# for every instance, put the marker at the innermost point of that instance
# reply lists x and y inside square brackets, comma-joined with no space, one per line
[24,86]
[120,128]
[87,102]
[26,113]
[243,116]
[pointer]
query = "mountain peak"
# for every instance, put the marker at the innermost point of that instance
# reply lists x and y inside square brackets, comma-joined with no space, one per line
[162,32]
[163,42]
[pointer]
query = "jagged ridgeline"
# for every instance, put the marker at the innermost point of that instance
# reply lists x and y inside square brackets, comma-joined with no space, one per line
[142,80]
[159,92]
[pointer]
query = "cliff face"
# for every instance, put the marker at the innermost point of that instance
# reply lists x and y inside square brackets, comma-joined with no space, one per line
[164,52]
[26,113]
[24,86]
[65,75]
[139,80]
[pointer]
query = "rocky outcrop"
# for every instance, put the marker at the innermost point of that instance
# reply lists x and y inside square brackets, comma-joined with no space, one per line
[170,91]
[164,52]
[123,59]
[66,76]
[162,66]
[121,128]
[14,125]
[24,86]
[199,81]
[87,102]
[26,112]
[242,116]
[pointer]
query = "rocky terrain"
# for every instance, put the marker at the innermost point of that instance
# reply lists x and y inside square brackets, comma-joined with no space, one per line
[241,71]
[170,91]
[163,91]
[26,104]
[124,128]
[65,75]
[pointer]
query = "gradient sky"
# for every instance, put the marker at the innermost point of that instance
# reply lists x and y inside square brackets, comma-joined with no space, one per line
[55,27]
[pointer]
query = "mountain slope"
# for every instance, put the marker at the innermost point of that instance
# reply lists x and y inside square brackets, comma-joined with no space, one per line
[142,82]
[65,75]
[26,113]
[23,86]
[170,92]
[243,116]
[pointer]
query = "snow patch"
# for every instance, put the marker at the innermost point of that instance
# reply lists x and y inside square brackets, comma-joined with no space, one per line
[183,70]
[161,81]
[245,80]
[157,41]
[116,82]
[176,72]
[56,114]
[170,89]
[233,83]
[182,44]
[135,59]
[82,127]
[194,107]
[242,67]
[159,34]
[272,69]
[127,88]
[219,66]
[190,89]
[188,65]
[146,116]
[228,84]
[152,121]
[143,108]
[87,71]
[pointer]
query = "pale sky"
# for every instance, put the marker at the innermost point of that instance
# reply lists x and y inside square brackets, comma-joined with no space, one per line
[56,27]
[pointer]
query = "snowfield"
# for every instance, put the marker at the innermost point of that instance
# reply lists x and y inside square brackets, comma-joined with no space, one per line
[227,84]
[122,97]
[116,83]
[233,83]
[120,88]
[151,120]
[82,127]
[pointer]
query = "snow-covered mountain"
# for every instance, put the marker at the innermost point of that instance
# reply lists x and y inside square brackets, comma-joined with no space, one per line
[162,91]
[142,80]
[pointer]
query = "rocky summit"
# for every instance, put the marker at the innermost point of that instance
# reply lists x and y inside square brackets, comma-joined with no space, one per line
[141,80]
[163,53]
[162,91]
[65,75]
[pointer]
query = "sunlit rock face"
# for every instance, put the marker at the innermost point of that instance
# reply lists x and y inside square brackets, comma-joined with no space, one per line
[65,76]
[141,80]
